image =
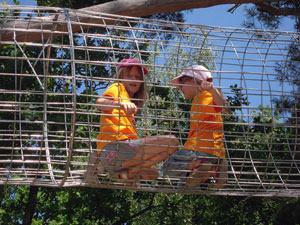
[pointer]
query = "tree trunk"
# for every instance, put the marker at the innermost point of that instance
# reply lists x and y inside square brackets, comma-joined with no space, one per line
[30,206]
[150,7]
[135,8]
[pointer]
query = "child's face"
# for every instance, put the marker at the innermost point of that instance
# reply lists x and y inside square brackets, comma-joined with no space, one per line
[189,87]
[132,80]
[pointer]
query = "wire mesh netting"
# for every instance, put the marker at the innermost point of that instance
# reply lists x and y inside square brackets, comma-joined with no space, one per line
[56,62]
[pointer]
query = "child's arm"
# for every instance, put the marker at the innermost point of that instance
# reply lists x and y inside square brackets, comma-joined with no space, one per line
[219,99]
[103,103]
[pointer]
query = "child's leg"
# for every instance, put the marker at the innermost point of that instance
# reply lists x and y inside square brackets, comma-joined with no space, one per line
[222,174]
[154,150]
[202,168]
[134,159]
[200,174]
[178,163]
[92,171]
[142,173]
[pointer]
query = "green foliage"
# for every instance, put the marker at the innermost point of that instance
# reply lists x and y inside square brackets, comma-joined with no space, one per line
[288,71]
[254,16]
[15,2]
[13,204]
[288,213]
[7,15]
[258,17]
[106,206]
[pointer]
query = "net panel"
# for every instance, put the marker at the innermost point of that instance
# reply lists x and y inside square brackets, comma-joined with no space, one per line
[56,62]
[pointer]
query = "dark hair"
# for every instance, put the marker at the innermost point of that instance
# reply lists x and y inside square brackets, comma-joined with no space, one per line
[184,78]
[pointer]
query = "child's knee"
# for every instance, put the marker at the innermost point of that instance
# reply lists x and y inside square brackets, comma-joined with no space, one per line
[94,158]
[173,142]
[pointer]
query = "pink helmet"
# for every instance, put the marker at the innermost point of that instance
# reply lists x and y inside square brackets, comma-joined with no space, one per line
[197,71]
[132,62]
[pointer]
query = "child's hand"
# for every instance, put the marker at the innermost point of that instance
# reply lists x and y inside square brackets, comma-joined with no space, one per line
[206,86]
[129,108]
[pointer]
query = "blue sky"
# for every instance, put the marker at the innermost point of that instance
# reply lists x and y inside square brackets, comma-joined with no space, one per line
[212,16]
[218,16]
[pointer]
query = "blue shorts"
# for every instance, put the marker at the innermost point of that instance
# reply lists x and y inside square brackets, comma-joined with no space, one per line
[177,164]
[116,153]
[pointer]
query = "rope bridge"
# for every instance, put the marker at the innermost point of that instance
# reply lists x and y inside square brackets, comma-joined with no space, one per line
[54,64]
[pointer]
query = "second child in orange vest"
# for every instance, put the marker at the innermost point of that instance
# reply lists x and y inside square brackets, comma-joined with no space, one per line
[203,154]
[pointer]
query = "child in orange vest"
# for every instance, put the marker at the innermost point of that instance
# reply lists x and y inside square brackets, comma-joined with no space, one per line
[203,154]
[121,152]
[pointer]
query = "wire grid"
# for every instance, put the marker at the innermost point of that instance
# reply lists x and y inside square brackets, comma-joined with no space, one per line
[55,63]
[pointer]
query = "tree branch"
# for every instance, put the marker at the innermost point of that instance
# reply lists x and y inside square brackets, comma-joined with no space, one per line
[135,8]
[149,207]
[149,7]
[275,11]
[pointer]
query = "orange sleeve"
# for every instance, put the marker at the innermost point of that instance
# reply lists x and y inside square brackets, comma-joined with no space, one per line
[116,93]
[217,108]
[111,91]
[208,103]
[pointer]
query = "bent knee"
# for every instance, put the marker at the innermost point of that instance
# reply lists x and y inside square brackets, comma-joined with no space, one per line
[171,139]
[174,140]
[173,143]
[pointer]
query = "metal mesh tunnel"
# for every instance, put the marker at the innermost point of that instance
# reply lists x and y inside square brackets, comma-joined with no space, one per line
[54,64]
